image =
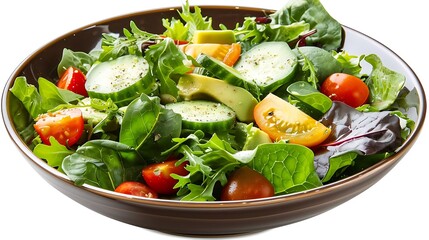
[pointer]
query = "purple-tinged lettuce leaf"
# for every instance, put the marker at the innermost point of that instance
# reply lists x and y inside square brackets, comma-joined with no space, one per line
[364,133]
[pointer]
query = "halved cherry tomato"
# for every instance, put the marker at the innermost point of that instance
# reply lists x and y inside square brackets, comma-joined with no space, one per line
[158,176]
[345,88]
[246,183]
[283,121]
[74,80]
[136,189]
[66,126]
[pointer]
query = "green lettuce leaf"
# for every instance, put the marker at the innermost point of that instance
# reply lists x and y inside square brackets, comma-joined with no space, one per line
[384,84]
[192,21]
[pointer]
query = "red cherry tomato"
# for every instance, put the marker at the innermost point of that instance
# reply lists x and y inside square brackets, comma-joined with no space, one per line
[246,183]
[66,126]
[345,88]
[158,176]
[74,80]
[136,189]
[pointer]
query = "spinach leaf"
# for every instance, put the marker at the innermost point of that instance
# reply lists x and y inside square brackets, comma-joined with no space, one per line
[149,128]
[28,95]
[81,60]
[101,163]
[364,133]
[53,97]
[167,64]
[316,65]
[329,31]
[306,93]
[22,120]
[384,84]
[114,46]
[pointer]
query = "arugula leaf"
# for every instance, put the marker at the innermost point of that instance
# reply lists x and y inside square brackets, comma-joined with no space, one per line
[149,128]
[167,63]
[289,167]
[131,43]
[251,32]
[54,154]
[101,163]
[384,84]
[329,31]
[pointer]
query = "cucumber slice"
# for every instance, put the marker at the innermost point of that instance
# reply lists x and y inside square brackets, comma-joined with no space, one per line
[224,72]
[122,79]
[204,115]
[269,65]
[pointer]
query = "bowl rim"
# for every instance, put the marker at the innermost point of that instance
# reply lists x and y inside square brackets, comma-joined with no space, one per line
[343,183]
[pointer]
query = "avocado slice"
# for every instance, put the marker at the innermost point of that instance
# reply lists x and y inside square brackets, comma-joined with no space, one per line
[250,137]
[214,36]
[194,86]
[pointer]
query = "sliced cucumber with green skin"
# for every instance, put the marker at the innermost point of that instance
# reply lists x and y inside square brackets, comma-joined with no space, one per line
[122,79]
[269,65]
[204,115]
[224,72]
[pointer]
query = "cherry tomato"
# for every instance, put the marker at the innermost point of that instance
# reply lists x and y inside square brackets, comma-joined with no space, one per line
[136,189]
[246,183]
[345,88]
[283,121]
[158,176]
[66,126]
[74,80]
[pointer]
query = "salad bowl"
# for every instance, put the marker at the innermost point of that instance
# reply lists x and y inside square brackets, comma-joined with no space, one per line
[205,218]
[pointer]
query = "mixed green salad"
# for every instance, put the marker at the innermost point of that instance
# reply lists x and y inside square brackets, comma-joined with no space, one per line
[199,112]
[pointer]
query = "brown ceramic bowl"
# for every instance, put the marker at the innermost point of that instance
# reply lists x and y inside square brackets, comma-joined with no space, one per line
[205,218]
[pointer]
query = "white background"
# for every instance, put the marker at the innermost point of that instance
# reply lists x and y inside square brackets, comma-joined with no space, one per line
[395,208]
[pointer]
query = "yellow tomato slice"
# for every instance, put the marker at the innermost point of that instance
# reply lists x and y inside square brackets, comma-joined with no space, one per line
[283,121]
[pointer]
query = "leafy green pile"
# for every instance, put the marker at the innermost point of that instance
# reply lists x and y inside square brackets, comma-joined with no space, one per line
[126,139]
